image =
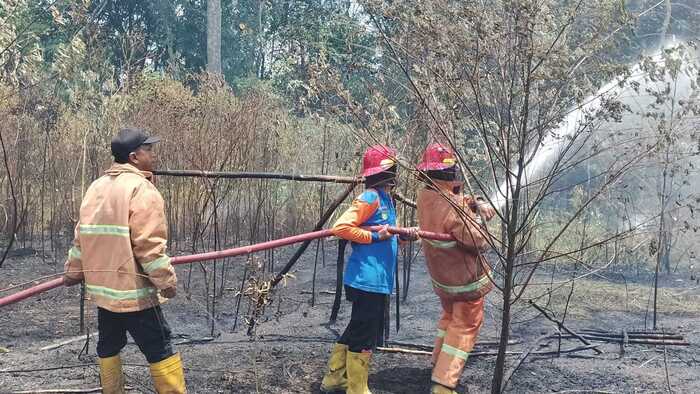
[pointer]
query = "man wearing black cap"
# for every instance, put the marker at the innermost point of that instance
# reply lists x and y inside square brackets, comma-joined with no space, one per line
[119,251]
[133,146]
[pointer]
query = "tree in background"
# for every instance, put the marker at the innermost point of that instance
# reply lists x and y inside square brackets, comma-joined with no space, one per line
[214,36]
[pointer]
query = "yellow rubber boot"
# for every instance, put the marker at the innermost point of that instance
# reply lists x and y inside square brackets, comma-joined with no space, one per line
[336,378]
[357,365]
[111,375]
[168,376]
[440,389]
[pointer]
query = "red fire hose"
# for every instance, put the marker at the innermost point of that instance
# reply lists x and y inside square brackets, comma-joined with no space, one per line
[242,250]
[26,293]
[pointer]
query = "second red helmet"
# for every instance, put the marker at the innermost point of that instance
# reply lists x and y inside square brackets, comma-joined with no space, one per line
[437,157]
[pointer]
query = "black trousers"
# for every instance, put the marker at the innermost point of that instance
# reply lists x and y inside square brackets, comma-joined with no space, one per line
[148,328]
[366,328]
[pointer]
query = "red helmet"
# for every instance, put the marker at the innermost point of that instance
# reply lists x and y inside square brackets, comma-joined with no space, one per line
[378,158]
[437,157]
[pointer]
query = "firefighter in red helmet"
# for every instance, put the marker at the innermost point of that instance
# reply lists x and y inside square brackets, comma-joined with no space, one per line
[459,273]
[369,273]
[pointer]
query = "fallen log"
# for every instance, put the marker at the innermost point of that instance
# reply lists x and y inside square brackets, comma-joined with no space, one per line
[430,347]
[631,332]
[618,339]
[479,354]
[633,336]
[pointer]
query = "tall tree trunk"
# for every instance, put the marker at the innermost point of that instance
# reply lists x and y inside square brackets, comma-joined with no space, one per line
[261,49]
[661,246]
[666,23]
[214,36]
[167,10]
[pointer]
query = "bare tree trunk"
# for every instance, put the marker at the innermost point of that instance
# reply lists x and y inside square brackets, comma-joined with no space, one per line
[214,36]
[667,23]
[499,369]
[261,50]
[13,228]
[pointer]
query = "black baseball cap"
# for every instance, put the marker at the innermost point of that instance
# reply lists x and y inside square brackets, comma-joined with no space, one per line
[128,140]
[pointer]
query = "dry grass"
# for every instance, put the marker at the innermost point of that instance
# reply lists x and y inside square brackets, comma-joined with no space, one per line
[591,296]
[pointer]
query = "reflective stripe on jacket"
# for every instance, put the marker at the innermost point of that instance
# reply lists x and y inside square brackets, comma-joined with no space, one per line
[456,267]
[372,263]
[120,240]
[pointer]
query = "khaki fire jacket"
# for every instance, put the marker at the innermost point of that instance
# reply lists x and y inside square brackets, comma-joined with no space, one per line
[120,241]
[457,269]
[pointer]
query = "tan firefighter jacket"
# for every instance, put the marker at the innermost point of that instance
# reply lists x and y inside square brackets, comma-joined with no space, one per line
[120,240]
[457,269]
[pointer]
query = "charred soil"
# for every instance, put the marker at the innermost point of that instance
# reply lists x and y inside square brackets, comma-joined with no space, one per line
[288,350]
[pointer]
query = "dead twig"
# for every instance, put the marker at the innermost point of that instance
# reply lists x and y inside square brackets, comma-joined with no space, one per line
[67,341]
[562,326]
[401,350]
[522,358]
[648,361]
[327,292]
[195,341]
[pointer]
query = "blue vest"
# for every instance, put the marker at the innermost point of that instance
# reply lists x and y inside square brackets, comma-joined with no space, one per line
[371,266]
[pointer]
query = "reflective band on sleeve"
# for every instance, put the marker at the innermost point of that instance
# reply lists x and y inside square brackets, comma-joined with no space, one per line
[474,286]
[104,229]
[160,262]
[440,333]
[120,295]
[74,253]
[453,351]
[440,244]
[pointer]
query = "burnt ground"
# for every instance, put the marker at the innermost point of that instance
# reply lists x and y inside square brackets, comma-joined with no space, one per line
[289,351]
